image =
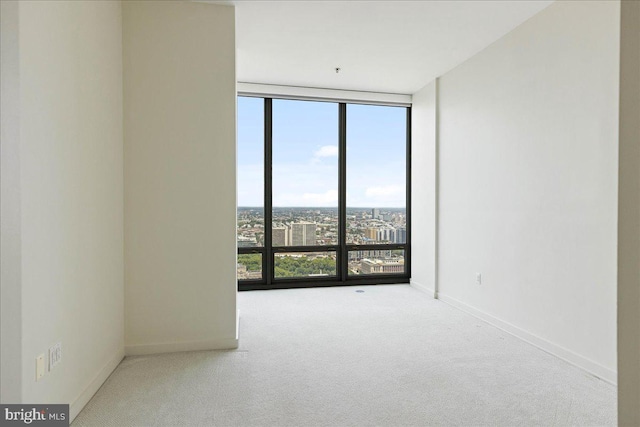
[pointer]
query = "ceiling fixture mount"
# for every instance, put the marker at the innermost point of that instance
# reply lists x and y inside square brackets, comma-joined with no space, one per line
[337,70]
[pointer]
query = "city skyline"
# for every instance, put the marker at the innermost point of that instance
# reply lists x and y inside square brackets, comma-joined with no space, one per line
[364,225]
[318,226]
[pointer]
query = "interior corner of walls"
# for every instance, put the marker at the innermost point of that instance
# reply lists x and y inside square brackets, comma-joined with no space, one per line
[424,288]
[85,395]
[423,87]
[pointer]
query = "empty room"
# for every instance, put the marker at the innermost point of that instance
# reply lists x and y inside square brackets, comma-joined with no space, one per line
[320,213]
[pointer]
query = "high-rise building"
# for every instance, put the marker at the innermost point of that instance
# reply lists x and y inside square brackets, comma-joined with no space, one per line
[401,235]
[371,233]
[386,234]
[375,213]
[279,236]
[303,234]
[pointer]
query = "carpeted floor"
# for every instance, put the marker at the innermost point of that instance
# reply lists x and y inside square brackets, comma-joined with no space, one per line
[389,356]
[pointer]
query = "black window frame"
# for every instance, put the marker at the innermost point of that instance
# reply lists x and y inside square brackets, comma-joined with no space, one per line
[342,249]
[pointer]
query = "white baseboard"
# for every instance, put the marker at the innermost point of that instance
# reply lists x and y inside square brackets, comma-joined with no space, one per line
[423,288]
[217,344]
[76,406]
[581,362]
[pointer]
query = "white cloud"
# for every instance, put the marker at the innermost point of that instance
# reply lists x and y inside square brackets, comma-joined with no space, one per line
[328,198]
[305,185]
[385,191]
[327,151]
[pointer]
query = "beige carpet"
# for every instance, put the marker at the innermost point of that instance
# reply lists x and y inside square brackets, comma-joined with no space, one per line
[389,356]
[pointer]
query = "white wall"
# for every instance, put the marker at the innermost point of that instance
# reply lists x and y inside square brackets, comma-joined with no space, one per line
[63,197]
[528,181]
[10,285]
[70,195]
[180,158]
[629,219]
[423,188]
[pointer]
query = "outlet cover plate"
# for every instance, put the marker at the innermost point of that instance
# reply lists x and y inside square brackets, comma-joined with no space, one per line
[55,355]
[40,367]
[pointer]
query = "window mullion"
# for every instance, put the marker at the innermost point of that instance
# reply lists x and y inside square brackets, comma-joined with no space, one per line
[343,263]
[267,260]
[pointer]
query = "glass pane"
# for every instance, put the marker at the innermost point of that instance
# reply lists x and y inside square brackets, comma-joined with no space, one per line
[305,264]
[250,172]
[250,267]
[376,174]
[376,262]
[305,173]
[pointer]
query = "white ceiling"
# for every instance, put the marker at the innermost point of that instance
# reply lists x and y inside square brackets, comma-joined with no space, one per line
[381,46]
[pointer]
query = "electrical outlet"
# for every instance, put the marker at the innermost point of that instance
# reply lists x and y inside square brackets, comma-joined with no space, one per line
[58,353]
[55,355]
[40,367]
[478,279]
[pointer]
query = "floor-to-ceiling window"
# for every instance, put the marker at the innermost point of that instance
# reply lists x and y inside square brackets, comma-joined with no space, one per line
[323,193]
[250,212]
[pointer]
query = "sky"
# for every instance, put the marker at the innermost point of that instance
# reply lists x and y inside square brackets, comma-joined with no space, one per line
[305,154]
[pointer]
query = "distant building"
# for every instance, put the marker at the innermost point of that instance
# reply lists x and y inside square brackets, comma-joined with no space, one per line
[358,255]
[401,235]
[247,242]
[375,213]
[378,266]
[245,274]
[371,233]
[254,275]
[303,234]
[386,235]
[279,236]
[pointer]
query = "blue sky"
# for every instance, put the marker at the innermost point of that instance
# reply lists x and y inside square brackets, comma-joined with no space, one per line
[305,154]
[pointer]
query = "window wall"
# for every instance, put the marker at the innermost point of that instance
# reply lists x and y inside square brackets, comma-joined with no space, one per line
[323,193]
